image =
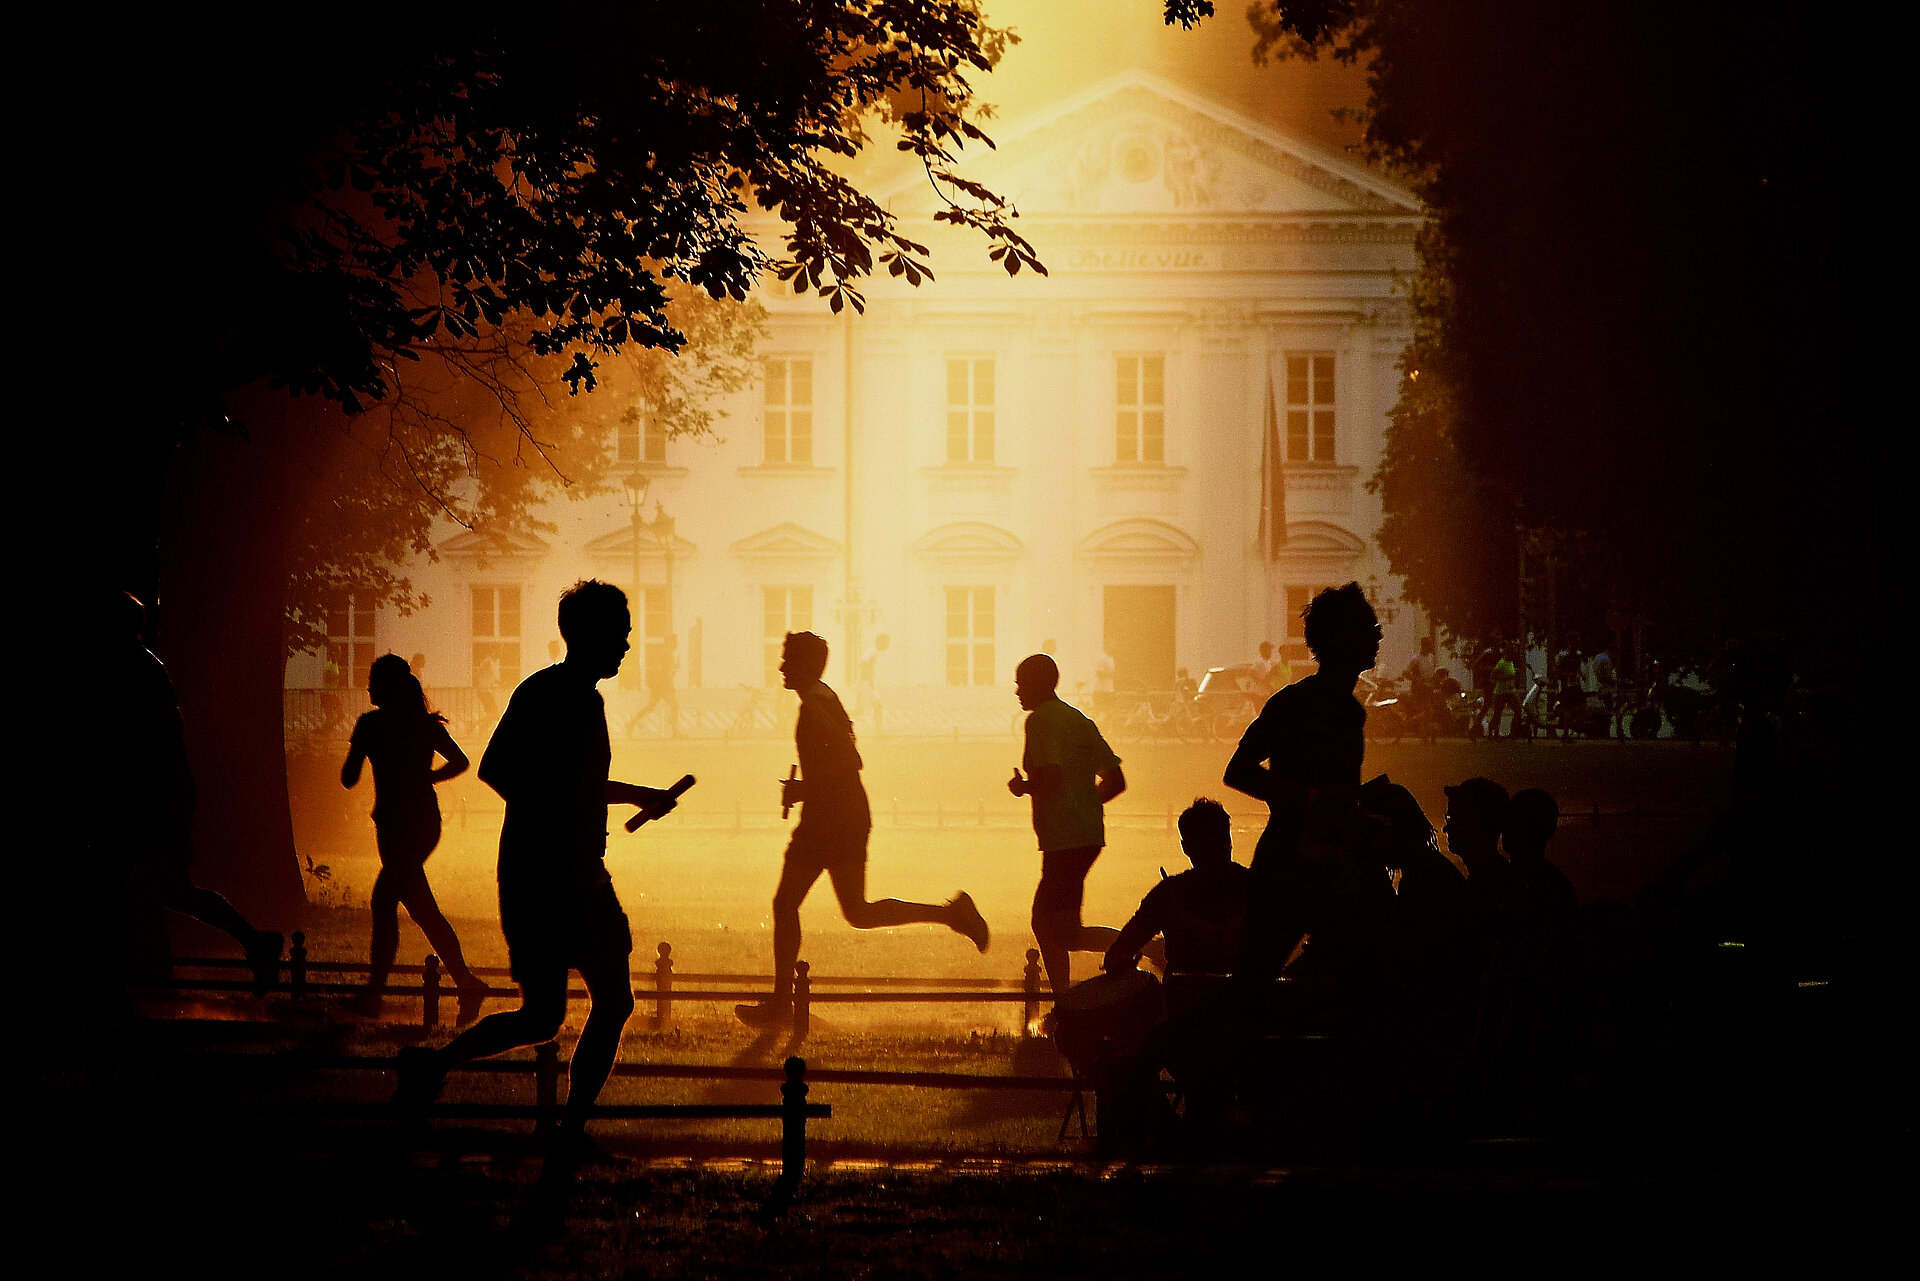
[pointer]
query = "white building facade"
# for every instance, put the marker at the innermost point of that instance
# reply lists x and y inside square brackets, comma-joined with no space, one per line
[1154,453]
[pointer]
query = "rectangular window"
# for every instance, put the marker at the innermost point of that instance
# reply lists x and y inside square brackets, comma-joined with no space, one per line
[783,610]
[640,439]
[1310,409]
[1140,409]
[969,410]
[349,639]
[969,635]
[649,607]
[496,637]
[789,411]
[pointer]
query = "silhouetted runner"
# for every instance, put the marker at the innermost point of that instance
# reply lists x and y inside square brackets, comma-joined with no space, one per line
[1302,757]
[831,836]
[549,761]
[400,736]
[663,666]
[1071,774]
[149,838]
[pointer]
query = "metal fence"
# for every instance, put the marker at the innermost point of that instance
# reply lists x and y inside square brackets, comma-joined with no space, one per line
[662,988]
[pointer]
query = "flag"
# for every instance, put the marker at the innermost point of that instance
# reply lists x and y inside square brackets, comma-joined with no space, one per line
[1273,480]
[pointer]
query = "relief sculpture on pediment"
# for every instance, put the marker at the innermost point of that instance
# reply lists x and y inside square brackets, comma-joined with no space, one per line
[1188,172]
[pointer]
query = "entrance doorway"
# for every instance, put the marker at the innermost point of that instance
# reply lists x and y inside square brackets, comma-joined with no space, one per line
[1137,631]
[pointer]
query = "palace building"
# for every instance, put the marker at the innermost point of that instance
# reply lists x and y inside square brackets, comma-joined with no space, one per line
[1146,460]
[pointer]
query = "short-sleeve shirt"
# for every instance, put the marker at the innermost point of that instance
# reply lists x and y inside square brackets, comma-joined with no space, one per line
[829,760]
[1200,912]
[1504,675]
[1312,734]
[401,747]
[549,758]
[1059,734]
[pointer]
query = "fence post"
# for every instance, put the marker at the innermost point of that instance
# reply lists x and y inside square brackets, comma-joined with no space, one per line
[662,985]
[1032,985]
[793,1124]
[430,992]
[546,1080]
[983,813]
[297,965]
[802,998]
[1171,821]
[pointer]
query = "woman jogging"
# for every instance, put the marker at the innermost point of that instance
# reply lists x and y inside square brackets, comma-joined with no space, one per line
[401,737]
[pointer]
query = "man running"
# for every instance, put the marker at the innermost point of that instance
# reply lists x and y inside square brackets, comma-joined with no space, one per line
[151,843]
[549,761]
[832,833]
[1070,774]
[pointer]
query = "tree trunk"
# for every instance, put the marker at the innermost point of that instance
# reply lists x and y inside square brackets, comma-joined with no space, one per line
[223,574]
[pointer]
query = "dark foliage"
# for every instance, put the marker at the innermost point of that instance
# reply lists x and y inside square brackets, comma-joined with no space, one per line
[318,201]
[1637,314]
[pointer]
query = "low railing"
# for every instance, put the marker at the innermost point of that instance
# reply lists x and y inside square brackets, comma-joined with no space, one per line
[662,988]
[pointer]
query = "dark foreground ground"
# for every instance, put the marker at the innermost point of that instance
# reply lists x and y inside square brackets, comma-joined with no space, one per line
[163,1158]
[144,1155]
[282,1200]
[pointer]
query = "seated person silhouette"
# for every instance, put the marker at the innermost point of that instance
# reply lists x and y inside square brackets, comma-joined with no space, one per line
[549,761]
[1476,813]
[151,841]
[1071,774]
[1199,912]
[831,836]
[1545,906]
[1434,950]
[1546,930]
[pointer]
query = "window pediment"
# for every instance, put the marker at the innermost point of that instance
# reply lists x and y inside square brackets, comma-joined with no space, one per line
[480,549]
[968,542]
[617,547]
[1140,542]
[1316,537]
[786,544]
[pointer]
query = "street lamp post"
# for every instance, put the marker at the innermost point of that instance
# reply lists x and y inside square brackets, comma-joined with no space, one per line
[636,486]
[661,529]
[858,613]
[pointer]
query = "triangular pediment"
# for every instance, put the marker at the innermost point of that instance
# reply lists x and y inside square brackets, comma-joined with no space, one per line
[786,542]
[618,545]
[494,545]
[1140,144]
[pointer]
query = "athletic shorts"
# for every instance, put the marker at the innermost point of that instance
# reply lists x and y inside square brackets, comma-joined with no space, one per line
[830,836]
[1063,880]
[824,845]
[552,931]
